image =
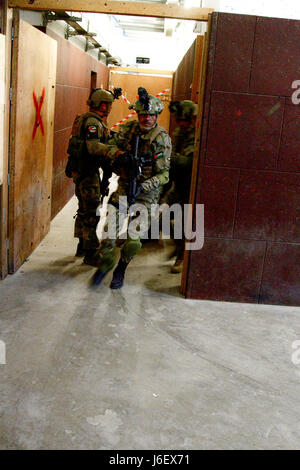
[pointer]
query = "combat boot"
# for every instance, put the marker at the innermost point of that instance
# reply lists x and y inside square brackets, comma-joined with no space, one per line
[177,267]
[118,275]
[98,277]
[80,250]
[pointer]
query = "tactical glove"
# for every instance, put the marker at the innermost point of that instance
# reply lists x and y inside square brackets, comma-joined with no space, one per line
[120,161]
[139,190]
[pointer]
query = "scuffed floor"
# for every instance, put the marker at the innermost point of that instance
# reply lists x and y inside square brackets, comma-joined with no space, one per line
[140,368]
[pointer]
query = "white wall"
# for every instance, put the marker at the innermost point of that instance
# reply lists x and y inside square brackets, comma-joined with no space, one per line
[164,52]
[2,101]
[272,8]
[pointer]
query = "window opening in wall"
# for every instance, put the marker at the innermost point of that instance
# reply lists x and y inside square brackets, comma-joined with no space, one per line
[93,80]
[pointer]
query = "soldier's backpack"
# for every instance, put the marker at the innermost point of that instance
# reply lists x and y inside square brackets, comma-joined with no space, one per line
[78,160]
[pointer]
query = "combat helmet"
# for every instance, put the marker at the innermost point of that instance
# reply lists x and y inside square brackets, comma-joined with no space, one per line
[147,104]
[185,109]
[99,95]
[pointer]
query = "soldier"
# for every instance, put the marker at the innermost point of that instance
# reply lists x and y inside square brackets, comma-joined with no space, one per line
[89,129]
[152,146]
[183,144]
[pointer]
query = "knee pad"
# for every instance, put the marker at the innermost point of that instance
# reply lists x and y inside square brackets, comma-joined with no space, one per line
[107,259]
[131,248]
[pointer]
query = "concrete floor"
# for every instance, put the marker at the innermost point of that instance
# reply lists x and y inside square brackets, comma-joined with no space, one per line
[140,368]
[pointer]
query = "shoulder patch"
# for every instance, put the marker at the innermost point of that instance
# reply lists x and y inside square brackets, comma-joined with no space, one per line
[91,132]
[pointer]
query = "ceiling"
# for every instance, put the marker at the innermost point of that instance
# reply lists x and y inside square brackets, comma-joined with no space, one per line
[136,26]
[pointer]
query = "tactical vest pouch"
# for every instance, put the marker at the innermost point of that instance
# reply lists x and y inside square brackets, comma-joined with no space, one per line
[77,154]
[79,160]
[69,168]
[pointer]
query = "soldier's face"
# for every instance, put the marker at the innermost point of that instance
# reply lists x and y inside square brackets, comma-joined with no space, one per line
[104,109]
[147,121]
[185,124]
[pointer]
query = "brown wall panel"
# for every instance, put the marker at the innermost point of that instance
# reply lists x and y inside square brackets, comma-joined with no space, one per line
[234,47]
[268,206]
[281,276]
[244,130]
[59,151]
[218,194]
[249,172]
[73,82]
[290,140]
[69,102]
[228,270]
[183,77]
[275,63]
[130,82]
[61,192]
[187,76]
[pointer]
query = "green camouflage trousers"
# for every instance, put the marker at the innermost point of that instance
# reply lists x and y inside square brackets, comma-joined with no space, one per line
[175,197]
[87,190]
[130,247]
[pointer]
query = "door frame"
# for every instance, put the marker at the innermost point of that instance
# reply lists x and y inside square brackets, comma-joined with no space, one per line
[8,18]
[108,7]
[24,234]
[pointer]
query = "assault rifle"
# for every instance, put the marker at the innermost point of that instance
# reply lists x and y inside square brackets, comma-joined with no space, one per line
[133,162]
[134,172]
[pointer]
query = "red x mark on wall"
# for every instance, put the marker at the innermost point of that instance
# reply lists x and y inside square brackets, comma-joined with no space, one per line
[38,117]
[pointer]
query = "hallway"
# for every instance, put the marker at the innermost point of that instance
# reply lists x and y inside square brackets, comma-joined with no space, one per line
[140,368]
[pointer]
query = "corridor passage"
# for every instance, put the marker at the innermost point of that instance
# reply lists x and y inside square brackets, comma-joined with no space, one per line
[140,368]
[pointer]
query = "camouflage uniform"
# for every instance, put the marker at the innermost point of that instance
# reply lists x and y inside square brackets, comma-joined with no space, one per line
[88,132]
[87,184]
[156,143]
[183,145]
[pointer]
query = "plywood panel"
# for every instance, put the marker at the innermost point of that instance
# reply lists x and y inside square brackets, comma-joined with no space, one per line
[248,170]
[233,56]
[239,118]
[130,84]
[4,187]
[197,68]
[275,56]
[204,77]
[228,270]
[183,77]
[2,101]
[31,153]
[73,82]
[186,81]
[117,8]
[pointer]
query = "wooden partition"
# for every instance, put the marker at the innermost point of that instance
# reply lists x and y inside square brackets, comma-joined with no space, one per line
[2,102]
[31,140]
[7,20]
[130,79]
[186,80]
[77,71]
[248,168]
[186,77]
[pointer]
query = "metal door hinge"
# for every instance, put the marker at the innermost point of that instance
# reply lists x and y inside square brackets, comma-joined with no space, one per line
[8,179]
[10,94]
